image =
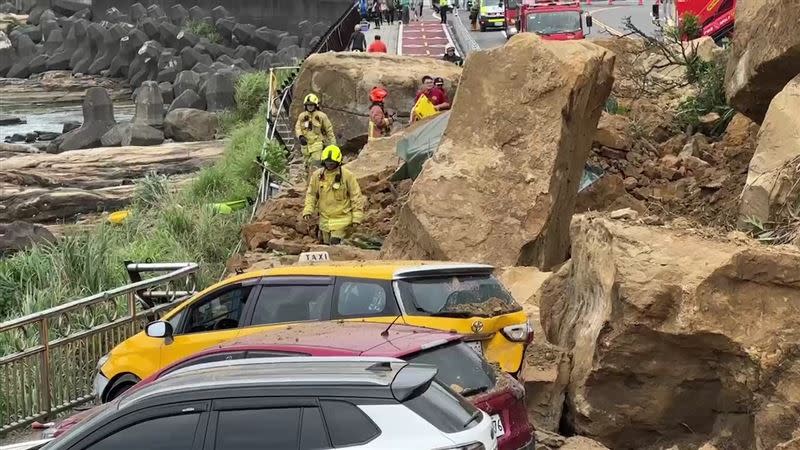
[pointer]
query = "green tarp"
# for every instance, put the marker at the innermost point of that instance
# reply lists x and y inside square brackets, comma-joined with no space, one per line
[418,145]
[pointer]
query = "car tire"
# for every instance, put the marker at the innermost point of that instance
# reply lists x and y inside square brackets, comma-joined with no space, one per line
[121,385]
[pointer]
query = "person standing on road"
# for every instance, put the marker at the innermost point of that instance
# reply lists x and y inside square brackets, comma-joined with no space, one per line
[377,46]
[473,15]
[334,193]
[450,56]
[419,6]
[377,14]
[358,42]
[387,6]
[443,5]
[380,122]
[313,128]
[405,6]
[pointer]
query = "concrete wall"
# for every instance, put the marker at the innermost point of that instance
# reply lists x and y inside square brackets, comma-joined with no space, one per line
[276,14]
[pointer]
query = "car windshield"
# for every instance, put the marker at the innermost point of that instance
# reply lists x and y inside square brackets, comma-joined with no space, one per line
[480,295]
[460,368]
[554,22]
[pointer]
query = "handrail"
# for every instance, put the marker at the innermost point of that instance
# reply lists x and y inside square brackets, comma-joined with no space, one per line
[65,342]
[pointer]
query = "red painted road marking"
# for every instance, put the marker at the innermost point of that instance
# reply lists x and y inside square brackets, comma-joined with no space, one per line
[426,38]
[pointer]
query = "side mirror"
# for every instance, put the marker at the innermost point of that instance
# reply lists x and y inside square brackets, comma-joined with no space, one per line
[589,21]
[159,329]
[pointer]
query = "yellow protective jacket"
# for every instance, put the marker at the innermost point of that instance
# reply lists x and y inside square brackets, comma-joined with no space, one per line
[337,197]
[316,127]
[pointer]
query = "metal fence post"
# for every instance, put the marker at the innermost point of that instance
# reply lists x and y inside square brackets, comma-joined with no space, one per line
[44,375]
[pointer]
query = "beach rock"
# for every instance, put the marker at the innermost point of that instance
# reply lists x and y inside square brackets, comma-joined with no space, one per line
[18,235]
[187,125]
[98,118]
[220,91]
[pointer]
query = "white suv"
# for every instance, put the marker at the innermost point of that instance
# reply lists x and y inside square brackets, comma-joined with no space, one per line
[287,403]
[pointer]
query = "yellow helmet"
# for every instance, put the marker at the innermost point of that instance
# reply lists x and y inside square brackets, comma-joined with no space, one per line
[332,153]
[311,99]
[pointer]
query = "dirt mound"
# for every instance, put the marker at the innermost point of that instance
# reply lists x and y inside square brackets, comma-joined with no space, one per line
[343,81]
[676,338]
[502,184]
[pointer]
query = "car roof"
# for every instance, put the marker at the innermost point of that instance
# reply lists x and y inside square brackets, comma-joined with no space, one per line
[346,337]
[383,270]
[263,372]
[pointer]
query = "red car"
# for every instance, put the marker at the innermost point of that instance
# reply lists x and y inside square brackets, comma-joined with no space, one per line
[460,367]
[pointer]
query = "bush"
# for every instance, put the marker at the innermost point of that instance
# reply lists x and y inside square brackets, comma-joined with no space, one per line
[252,92]
[203,29]
[709,82]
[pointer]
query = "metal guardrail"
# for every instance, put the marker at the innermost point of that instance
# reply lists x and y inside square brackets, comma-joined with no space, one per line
[48,359]
[464,39]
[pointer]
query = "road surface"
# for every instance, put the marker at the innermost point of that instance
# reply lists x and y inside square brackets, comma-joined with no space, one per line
[608,21]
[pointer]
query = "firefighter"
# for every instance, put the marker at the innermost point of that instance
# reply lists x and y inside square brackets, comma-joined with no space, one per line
[380,121]
[443,6]
[333,192]
[313,128]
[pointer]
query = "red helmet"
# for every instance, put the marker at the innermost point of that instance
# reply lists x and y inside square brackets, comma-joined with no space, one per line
[377,94]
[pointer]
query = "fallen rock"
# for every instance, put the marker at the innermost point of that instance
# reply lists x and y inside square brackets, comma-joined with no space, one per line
[765,54]
[18,235]
[286,247]
[624,213]
[257,234]
[653,320]
[188,125]
[609,193]
[496,197]
[377,160]
[98,118]
[772,176]
[343,81]
[613,131]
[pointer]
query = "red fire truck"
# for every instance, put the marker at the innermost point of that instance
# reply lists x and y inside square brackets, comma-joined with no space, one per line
[716,17]
[551,19]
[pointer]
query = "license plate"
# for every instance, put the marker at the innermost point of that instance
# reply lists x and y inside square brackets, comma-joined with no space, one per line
[476,345]
[497,426]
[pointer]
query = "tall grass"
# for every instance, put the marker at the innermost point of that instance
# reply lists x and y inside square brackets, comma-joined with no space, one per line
[162,226]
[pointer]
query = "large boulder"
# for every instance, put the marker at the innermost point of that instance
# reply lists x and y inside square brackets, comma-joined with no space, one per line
[343,81]
[675,338]
[771,184]
[188,125]
[501,187]
[98,118]
[137,134]
[765,54]
[18,235]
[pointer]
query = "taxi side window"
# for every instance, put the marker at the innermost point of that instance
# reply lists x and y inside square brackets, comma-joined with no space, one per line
[221,310]
[364,298]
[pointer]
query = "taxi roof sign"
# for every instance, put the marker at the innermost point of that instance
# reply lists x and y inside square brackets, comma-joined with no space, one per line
[314,257]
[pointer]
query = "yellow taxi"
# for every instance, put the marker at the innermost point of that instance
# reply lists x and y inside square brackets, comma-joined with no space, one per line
[456,297]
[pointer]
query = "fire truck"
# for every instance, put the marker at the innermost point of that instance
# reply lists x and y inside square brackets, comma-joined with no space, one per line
[716,17]
[550,19]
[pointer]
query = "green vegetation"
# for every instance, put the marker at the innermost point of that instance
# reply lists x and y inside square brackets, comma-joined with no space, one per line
[203,29]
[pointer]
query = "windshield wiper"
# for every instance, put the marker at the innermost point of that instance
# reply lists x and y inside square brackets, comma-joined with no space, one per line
[474,390]
[451,314]
[476,415]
